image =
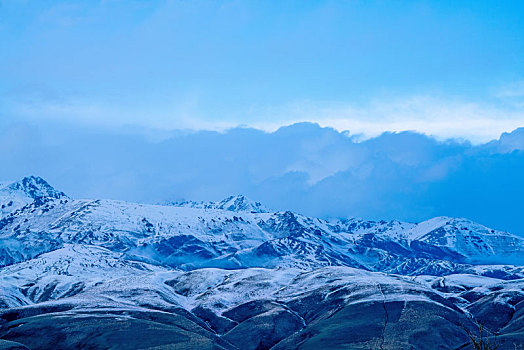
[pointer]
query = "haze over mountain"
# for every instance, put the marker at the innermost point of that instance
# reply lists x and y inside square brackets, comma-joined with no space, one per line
[303,167]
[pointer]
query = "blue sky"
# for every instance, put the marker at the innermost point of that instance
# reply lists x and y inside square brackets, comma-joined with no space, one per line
[444,68]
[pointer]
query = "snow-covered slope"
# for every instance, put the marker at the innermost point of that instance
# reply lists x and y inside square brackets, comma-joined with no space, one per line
[66,272]
[247,304]
[237,203]
[15,195]
[467,238]
[234,235]
[234,274]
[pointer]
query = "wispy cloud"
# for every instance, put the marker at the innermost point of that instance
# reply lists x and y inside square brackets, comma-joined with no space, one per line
[515,89]
[439,117]
[436,116]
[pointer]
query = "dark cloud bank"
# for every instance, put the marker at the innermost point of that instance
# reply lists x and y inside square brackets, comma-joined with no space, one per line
[303,167]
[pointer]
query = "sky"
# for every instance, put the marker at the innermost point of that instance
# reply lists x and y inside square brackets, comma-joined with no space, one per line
[375,109]
[443,68]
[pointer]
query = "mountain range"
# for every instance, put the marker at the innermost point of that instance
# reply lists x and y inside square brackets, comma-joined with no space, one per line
[78,273]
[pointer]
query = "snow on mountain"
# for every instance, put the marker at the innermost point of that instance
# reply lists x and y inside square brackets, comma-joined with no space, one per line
[394,229]
[32,187]
[67,271]
[93,273]
[15,195]
[89,262]
[246,304]
[172,234]
[473,241]
[241,203]
[11,295]
[233,271]
[237,203]
[234,235]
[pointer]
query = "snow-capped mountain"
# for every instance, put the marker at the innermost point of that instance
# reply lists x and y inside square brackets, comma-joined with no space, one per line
[237,203]
[32,189]
[234,235]
[235,275]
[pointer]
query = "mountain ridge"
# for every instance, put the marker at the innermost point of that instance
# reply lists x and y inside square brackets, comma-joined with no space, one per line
[235,275]
[232,203]
[231,233]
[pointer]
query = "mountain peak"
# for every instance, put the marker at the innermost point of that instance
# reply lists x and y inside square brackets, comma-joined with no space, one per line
[238,203]
[241,203]
[35,187]
[30,189]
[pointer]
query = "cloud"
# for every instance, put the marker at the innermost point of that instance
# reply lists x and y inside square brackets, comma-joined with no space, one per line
[512,94]
[515,89]
[303,167]
[440,117]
